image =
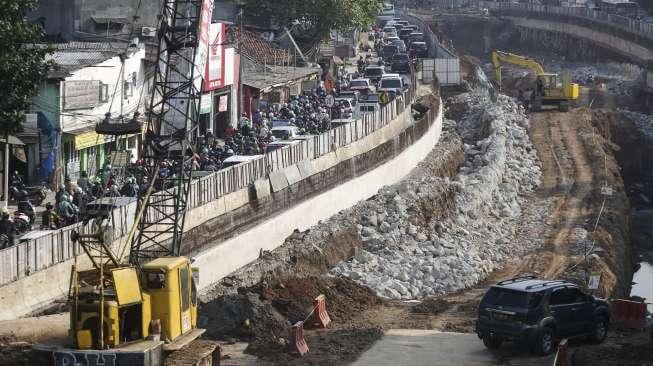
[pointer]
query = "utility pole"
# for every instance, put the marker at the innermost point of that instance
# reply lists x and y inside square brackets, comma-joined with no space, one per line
[6,169]
[241,105]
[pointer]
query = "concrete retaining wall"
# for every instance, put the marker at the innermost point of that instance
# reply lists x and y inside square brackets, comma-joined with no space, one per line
[40,289]
[614,42]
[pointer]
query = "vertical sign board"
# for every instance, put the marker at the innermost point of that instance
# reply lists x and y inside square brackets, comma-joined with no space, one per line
[201,55]
[215,67]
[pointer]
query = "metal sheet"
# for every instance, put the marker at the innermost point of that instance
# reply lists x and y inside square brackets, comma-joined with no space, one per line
[128,290]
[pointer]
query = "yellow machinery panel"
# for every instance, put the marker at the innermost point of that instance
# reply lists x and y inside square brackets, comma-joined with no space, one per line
[88,318]
[162,279]
[128,289]
[146,314]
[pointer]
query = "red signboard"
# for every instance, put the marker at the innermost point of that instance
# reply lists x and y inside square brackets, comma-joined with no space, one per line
[215,66]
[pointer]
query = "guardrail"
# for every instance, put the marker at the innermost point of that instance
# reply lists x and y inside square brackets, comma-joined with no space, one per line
[43,249]
[629,24]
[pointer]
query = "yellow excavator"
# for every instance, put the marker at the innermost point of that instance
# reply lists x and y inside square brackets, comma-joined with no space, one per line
[550,89]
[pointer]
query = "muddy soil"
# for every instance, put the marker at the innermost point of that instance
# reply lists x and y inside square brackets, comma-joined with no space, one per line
[258,303]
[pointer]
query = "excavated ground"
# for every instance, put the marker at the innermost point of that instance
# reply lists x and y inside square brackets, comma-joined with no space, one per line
[259,302]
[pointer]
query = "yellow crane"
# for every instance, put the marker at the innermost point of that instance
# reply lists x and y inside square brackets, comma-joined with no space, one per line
[142,311]
[550,89]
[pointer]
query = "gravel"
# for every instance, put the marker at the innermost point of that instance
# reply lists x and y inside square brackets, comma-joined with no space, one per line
[410,252]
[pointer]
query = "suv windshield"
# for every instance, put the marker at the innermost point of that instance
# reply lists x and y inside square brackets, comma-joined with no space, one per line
[390,83]
[373,71]
[400,57]
[506,297]
[358,84]
[389,50]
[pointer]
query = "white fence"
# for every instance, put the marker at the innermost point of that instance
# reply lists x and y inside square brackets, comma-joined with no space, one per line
[42,249]
[446,70]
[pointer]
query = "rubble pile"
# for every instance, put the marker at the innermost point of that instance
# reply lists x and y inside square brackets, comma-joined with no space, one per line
[411,252]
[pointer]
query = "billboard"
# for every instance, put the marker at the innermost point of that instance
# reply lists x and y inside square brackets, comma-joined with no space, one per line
[215,67]
[203,44]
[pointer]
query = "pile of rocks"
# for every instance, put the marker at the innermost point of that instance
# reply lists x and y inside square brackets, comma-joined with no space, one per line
[411,252]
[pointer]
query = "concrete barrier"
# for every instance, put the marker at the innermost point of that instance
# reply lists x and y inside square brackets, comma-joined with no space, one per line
[39,289]
[219,261]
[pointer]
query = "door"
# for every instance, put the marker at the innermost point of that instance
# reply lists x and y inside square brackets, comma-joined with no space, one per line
[185,294]
[560,306]
[583,311]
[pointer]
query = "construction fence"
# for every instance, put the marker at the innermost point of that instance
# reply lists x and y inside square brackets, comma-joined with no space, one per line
[40,249]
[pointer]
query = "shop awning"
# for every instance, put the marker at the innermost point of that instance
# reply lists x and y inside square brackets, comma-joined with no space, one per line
[13,140]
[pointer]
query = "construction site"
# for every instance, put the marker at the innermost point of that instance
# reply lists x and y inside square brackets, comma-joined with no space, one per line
[380,250]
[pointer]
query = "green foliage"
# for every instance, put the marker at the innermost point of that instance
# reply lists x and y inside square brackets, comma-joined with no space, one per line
[22,67]
[320,15]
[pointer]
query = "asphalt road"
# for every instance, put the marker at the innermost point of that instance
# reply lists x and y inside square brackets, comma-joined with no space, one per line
[412,347]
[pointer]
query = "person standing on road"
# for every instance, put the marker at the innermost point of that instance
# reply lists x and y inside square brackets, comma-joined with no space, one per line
[8,229]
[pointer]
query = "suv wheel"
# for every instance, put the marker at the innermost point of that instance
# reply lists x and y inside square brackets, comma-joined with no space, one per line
[492,342]
[600,331]
[544,343]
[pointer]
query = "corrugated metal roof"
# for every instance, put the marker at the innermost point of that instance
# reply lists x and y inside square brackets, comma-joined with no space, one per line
[73,56]
[264,77]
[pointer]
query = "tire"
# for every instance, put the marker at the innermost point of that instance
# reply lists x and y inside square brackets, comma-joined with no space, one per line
[544,344]
[600,331]
[492,342]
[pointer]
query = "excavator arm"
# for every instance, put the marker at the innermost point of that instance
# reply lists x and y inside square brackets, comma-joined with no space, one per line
[499,57]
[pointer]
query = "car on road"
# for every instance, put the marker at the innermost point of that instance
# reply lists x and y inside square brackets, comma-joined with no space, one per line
[393,84]
[418,50]
[362,85]
[374,73]
[537,312]
[416,37]
[389,31]
[400,63]
[388,51]
[401,46]
[405,32]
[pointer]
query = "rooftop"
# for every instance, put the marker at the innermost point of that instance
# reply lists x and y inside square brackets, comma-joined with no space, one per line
[268,76]
[73,56]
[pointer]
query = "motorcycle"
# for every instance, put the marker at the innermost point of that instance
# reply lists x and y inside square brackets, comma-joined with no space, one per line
[25,207]
[22,222]
[35,194]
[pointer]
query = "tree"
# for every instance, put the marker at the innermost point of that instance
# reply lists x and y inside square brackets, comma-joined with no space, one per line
[23,66]
[318,16]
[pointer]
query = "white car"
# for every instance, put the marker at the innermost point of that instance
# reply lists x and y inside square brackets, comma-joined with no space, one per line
[363,85]
[392,83]
[285,132]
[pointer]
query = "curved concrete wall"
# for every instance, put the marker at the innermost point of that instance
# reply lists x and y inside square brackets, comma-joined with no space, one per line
[219,261]
[614,42]
[33,292]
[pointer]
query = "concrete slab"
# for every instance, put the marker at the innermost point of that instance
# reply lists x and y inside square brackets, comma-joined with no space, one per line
[278,180]
[416,347]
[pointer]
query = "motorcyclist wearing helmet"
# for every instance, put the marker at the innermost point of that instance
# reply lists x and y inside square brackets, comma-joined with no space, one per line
[49,218]
[67,210]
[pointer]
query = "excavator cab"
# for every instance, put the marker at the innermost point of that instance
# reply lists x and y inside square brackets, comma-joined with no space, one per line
[171,285]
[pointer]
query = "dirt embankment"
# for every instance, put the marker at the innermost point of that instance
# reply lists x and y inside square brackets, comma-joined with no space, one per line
[258,303]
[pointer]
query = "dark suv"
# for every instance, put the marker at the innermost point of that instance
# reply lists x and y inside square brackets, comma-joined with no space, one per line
[537,312]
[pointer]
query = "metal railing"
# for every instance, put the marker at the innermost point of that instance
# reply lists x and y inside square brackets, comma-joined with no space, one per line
[43,249]
[629,24]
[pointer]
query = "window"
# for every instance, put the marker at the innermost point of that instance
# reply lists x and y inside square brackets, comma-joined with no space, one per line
[567,296]
[184,282]
[104,92]
[391,83]
[131,142]
[506,297]
[128,89]
[155,280]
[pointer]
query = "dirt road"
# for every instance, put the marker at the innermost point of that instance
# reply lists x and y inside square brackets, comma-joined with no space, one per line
[572,177]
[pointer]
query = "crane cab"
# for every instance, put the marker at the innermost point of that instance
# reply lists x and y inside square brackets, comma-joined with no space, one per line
[170,284]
